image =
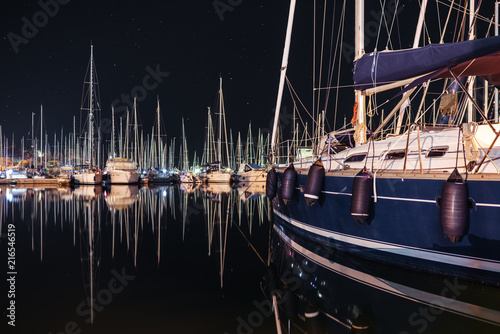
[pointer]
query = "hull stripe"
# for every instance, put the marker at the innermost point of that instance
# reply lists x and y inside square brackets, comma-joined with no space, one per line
[419,253]
[437,301]
[492,205]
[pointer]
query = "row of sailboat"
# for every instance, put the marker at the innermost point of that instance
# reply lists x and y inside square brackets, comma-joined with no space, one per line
[132,159]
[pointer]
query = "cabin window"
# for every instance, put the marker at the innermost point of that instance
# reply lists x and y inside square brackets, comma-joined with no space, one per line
[437,151]
[396,154]
[356,158]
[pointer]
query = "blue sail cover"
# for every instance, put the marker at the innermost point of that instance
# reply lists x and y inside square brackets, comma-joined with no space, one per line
[479,57]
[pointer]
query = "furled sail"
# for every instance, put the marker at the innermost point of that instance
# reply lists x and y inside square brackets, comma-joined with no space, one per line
[479,57]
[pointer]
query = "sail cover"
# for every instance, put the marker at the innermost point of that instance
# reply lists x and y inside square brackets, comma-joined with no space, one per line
[479,57]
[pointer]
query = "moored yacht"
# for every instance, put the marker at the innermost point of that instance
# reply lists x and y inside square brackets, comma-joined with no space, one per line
[122,171]
[251,173]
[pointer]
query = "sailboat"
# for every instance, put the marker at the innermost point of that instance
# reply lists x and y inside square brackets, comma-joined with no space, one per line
[216,172]
[90,175]
[186,175]
[160,175]
[123,170]
[425,198]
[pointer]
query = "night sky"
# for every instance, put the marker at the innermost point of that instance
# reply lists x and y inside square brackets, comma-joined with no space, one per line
[192,41]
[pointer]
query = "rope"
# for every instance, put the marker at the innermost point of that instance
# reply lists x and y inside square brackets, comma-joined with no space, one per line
[253,248]
[470,148]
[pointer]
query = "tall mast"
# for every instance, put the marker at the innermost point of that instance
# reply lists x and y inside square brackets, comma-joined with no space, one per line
[185,160]
[472,79]
[136,133]
[91,108]
[359,48]
[219,140]
[497,4]
[159,138]
[126,148]
[284,64]
[41,132]
[113,131]
[74,142]
[33,151]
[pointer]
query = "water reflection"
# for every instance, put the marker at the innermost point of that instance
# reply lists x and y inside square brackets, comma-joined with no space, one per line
[107,228]
[353,294]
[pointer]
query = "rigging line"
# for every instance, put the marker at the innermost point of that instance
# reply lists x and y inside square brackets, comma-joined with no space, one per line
[331,63]
[314,62]
[392,24]
[447,21]
[249,243]
[439,19]
[308,113]
[382,18]
[300,117]
[321,57]
[426,31]
[473,25]
[462,9]
[340,37]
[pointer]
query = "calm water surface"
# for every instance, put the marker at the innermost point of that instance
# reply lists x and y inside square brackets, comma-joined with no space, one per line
[178,259]
[129,260]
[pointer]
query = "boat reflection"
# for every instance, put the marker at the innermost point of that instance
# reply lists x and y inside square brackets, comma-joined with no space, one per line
[250,190]
[100,227]
[355,295]
[120,196]
[88,192]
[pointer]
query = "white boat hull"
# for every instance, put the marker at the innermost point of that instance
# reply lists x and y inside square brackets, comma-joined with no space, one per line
[218,177]
[88,178]
[123,177]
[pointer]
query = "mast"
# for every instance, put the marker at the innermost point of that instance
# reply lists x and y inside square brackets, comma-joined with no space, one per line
[74,142]
[136,133]
[497,4]
[126,148]
[185,159]
[472,79]
[159,138]
[91,109]
[33,151]
[219,140]
[112,131]
[41,132]
[416,39]
[22,152]
[284,64]
[359,47]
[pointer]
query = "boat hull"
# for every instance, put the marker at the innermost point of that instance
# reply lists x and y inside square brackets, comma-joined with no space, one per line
[404,226]
[88,178]
[218,177]
[123,177]
[253,176]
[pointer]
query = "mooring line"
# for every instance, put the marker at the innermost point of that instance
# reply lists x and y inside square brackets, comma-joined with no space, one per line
[244,236]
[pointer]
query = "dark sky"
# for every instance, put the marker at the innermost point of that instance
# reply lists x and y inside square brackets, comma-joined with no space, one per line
[188,40]
[184,38]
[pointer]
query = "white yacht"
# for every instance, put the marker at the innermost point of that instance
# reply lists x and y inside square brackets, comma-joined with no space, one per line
[122,171]
[251,173]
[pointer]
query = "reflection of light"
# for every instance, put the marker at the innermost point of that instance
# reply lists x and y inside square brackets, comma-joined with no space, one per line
[164,193]
[320,295]
[9,172]
[164,171]
[9,197]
